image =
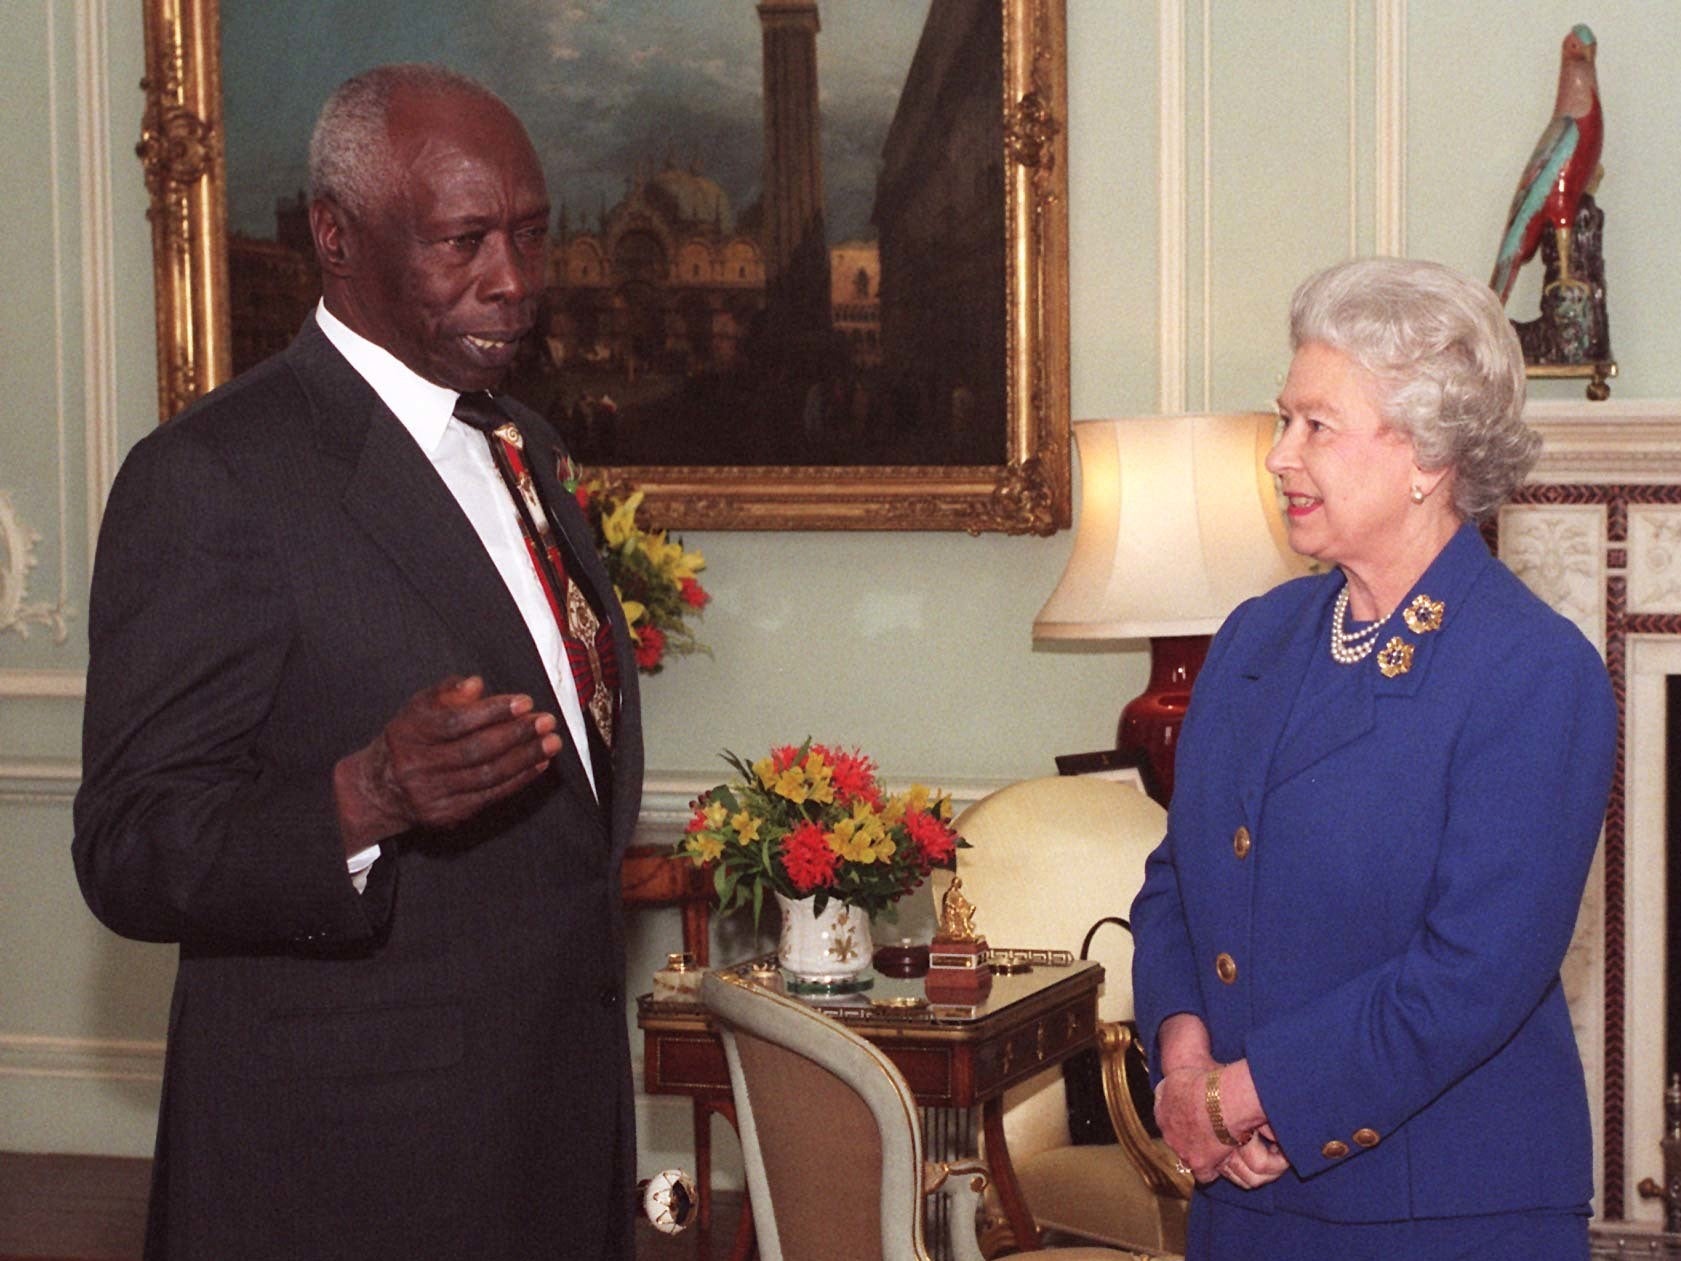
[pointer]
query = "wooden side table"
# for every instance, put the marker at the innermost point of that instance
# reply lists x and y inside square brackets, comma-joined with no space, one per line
[952,1056]
[649,876]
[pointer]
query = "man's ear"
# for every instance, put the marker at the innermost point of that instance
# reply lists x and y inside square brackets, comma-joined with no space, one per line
[330,226]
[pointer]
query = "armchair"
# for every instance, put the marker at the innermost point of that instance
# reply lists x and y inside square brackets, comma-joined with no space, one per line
[1051,858]
[830,1139]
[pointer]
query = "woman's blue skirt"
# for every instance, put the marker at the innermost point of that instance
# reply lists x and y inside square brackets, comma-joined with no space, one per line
[1223,1232]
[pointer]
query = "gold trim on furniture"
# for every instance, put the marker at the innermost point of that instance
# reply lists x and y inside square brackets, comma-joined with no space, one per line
[182,150]
[1152,1159]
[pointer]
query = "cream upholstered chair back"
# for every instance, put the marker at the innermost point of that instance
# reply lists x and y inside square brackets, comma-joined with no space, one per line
[830,1139]
[1050,858]
[1053,856]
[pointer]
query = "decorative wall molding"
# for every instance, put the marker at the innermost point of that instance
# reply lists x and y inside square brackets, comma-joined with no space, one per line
[1352,89]
[80,1059]
[18,613]
[66,684]
[39,781]
[1636,440]
[1389,210]
[98,239]
[1172,203]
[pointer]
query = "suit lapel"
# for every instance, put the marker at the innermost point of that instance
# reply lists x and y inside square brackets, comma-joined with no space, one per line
[1273,673]
[1347,710]
[395,495]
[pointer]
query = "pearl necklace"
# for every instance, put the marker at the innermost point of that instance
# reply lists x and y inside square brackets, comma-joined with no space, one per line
[1347,649]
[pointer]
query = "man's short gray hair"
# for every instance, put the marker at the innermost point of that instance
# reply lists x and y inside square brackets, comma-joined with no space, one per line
[1447,362]
[349,150]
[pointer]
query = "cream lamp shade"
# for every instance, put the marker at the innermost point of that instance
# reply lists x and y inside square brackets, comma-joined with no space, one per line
[1179,524]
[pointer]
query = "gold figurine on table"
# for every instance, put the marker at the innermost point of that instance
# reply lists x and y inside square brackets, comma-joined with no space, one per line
[957,915]
[957,958]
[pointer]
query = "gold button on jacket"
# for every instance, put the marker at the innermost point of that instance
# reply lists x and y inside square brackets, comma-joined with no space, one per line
[1366,1137]
[1225,967]
[1241,841]
[1336,1149]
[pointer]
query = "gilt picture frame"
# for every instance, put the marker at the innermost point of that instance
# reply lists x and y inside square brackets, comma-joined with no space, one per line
[1015,480]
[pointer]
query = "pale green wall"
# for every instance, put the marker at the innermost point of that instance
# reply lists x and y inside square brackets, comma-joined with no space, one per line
[915,647]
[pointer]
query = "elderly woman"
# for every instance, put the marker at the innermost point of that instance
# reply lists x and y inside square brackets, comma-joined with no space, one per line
[1390,785]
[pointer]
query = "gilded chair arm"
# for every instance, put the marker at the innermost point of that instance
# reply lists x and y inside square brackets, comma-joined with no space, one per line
[962,1182]
[1153,1160]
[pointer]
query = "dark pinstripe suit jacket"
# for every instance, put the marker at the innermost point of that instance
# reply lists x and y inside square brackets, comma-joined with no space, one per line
[438,1067]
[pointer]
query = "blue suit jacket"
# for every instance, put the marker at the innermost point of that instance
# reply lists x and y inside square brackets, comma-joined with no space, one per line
[1418,851]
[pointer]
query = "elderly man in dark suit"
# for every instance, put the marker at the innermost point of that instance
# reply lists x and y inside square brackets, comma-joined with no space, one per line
[357,737]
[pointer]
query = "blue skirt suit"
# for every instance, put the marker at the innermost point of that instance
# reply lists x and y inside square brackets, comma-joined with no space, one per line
[1368,884]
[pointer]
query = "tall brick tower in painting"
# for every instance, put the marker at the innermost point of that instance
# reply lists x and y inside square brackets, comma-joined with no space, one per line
[796,253]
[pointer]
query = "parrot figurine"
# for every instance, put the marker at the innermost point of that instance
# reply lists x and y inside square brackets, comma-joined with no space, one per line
[1565,165]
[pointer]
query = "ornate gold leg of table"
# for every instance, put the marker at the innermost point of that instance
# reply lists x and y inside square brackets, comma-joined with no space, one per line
[1022,1225]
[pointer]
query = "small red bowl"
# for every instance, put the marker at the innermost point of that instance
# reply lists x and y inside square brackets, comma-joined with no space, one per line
[903,959]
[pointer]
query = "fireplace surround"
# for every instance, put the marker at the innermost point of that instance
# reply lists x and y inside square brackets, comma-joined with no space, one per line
[1597,534]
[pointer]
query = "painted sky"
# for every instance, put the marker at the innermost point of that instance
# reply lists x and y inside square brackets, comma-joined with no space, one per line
[605,87]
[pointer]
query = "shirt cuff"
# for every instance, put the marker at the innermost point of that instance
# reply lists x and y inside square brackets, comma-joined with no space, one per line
[357,865]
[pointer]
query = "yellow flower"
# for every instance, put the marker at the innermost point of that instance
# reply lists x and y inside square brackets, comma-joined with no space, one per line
[703,847]
[863,838]
[619,525]
[819,775]
[746,827]
[715,815]
[634,610]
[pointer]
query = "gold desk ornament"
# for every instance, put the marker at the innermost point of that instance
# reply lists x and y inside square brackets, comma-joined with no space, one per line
[957,916]
[957,958]
[679,980]
[1395,657]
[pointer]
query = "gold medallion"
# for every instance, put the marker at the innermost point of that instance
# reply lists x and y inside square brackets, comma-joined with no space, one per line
[1424,615]
[1395,657]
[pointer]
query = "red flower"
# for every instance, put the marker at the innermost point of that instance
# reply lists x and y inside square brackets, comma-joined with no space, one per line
[582,495]
[807,858]
[784,756]
[692,593]
[935,842]
[854,776]
[650,646]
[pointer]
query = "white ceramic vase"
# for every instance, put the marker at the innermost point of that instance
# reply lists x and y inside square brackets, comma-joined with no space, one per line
[827,953]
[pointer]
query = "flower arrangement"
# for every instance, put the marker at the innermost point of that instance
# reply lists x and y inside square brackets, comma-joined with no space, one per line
[813,821]
[653,575]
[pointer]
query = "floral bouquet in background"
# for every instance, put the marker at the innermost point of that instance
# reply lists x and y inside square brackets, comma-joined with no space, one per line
[813,822]
[653,576]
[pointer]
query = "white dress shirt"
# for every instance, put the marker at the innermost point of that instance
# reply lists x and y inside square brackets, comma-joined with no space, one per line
[462,459]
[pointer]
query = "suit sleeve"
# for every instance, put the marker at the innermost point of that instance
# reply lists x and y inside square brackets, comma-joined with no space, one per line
[188,826]
[1164,974]
[1527,791]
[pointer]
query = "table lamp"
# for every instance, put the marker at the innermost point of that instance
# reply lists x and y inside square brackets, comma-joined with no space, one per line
[1179,523]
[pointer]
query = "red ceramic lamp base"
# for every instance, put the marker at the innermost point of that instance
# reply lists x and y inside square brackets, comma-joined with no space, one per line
[1151,721]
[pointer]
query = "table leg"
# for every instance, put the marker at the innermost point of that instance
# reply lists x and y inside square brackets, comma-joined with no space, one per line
[1022,1225]
[703,1163]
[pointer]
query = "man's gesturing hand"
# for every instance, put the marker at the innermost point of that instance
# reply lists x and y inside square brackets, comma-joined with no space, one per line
[448,754]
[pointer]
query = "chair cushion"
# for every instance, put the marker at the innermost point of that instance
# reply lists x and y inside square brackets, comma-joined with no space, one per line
[1095,1193]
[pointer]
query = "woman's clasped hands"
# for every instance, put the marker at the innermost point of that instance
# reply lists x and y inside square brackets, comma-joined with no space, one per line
[1186,1113]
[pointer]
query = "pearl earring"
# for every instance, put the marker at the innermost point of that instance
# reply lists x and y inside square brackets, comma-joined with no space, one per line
[1418,495]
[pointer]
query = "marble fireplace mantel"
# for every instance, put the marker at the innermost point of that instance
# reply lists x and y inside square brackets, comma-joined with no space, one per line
[1597,534]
